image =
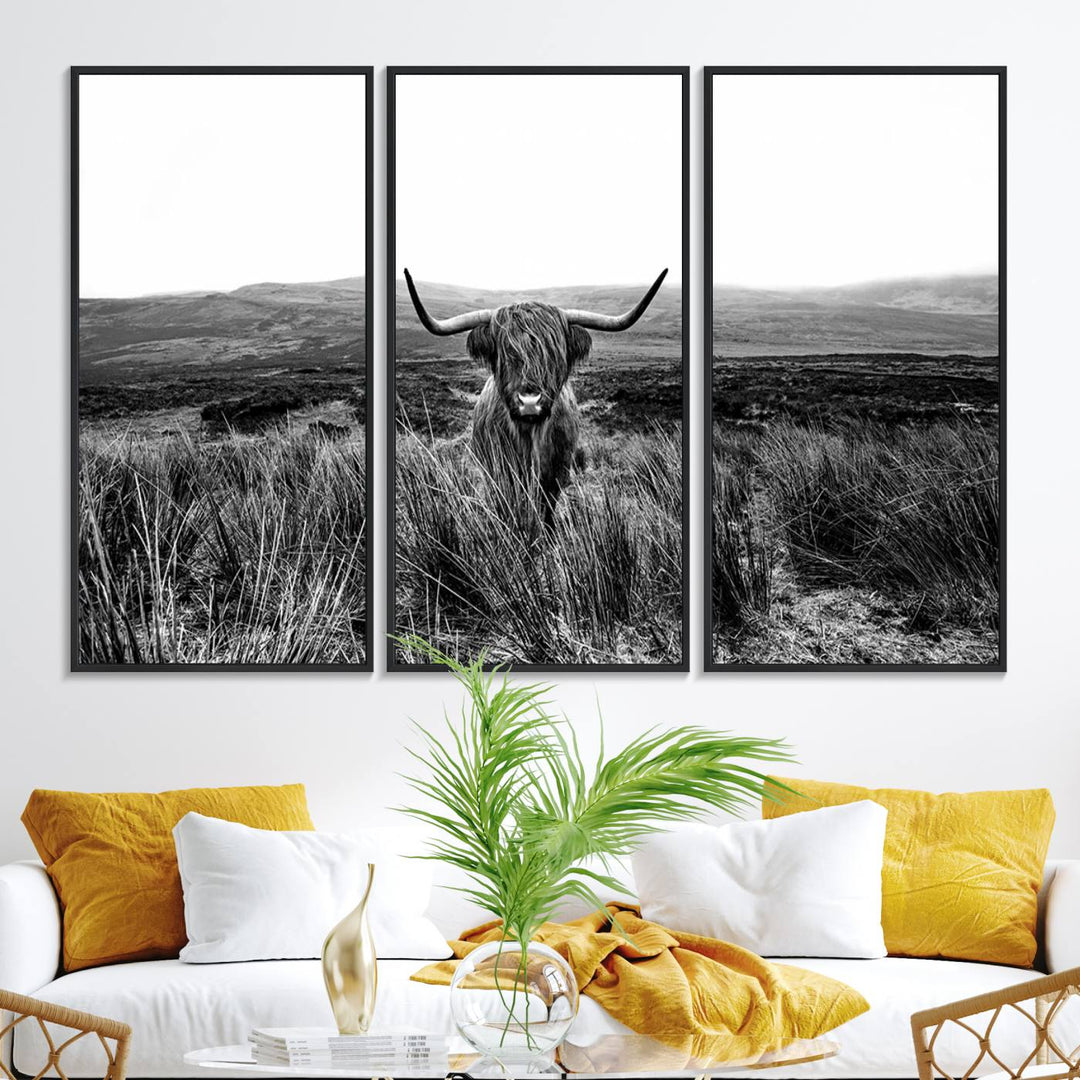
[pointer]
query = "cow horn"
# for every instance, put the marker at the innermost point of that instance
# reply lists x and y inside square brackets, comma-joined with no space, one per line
[613,323]
[456,324]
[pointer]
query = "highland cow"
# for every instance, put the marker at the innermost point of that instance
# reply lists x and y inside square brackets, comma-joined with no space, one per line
[526,421]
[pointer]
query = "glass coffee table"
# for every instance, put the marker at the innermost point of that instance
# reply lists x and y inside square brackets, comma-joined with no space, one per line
[627,1056]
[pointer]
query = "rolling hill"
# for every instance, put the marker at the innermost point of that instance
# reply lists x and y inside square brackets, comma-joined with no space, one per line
[322,323]
[269,325]
[662,323]
[931,316]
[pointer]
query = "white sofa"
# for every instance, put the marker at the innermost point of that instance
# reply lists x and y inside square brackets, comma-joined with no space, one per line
[175,1007]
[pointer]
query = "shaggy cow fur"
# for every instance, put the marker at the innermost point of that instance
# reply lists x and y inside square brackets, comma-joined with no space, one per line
[525,424]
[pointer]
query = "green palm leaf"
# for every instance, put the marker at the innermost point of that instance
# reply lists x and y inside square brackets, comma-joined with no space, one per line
[518,810]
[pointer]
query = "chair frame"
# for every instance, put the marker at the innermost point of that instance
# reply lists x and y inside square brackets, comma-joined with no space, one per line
[1045,995]
[44,1012]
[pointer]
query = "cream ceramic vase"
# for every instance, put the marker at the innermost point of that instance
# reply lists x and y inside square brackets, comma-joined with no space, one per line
[349,968]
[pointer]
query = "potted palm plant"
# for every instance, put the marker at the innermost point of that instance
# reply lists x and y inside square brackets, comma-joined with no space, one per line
[516,808]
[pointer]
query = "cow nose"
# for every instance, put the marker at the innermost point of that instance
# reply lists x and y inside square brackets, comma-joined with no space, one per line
[529,404]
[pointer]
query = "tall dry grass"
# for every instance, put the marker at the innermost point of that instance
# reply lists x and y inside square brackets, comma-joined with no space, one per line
[236,551]
[477,570]
[741,566]
[909,511]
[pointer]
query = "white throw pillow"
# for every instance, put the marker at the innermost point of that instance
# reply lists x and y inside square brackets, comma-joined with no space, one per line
[259,894]
[804,885]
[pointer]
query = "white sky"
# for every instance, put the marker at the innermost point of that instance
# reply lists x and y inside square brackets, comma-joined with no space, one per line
[205,182]
[835,179]
[519,181]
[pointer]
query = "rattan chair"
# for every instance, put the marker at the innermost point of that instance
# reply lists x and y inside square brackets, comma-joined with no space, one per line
[107,1031]
[1039,1001]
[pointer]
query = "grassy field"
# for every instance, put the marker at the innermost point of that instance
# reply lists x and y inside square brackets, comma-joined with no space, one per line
[892,388]
[222,483]
[238,550]
[855,473]
[222,480]
[853,523]
[603,586]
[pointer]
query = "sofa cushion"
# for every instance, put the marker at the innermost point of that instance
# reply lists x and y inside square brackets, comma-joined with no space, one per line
[175,1007]
[879,1043]
[961,872]
[805,885]
[112,860]
[272,894]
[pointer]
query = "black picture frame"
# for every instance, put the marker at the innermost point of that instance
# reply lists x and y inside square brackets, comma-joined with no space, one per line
[368,74]
[707,336]
[392,73]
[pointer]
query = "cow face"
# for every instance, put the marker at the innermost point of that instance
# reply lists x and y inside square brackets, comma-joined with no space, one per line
[530,350]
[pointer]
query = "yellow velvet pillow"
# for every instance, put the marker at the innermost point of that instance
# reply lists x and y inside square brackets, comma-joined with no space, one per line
[112,861]
[961,872]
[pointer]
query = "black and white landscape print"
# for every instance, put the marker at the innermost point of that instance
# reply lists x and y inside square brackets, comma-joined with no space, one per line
[221,504]
[537,449]
[855,369]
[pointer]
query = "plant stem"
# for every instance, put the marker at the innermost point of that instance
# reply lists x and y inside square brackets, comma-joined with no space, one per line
[508,1008]
[523,967]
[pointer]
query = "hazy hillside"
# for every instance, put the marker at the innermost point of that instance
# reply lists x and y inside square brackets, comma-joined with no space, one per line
[934,316]
[968,294]
[314,324]
[661,323]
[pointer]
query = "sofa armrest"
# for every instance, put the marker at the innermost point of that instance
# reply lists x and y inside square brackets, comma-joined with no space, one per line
[29,928]
[1063,917]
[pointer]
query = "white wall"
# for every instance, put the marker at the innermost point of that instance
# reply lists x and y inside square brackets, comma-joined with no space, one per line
[340,734]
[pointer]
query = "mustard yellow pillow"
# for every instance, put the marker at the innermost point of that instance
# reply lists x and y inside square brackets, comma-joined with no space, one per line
[113,863]
[961,872]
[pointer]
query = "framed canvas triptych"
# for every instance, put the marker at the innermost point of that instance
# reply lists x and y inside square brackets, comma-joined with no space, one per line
[538,413]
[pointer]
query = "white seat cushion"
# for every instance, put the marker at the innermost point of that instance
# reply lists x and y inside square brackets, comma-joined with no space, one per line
[175,1007]
[804,885]
[879,1043]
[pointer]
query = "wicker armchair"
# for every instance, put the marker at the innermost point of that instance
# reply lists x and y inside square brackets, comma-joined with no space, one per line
[107,1031]
[1039,1002]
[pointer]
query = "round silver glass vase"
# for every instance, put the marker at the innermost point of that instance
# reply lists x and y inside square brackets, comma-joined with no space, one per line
[514,1005]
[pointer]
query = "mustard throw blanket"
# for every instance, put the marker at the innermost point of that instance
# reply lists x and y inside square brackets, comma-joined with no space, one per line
[701,997]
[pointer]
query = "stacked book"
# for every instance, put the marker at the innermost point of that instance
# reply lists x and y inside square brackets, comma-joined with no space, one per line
[385,1052]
